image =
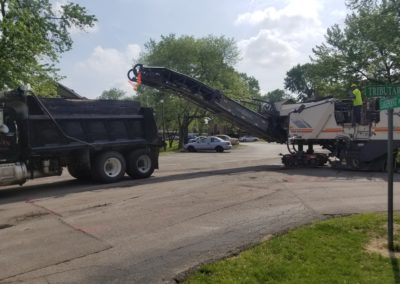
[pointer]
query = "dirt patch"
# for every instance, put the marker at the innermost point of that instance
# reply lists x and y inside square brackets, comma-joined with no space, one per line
[380,246]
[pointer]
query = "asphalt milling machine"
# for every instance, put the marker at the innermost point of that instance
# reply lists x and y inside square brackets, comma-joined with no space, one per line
[326,122]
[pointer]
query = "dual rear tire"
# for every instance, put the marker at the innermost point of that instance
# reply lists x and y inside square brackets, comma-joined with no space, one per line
[79,171]
[110,166]
[140,164]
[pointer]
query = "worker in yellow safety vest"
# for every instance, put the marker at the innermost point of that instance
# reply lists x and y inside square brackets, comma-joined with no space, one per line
[357,103]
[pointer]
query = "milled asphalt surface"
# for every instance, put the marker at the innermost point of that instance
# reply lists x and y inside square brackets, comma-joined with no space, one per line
[197,208]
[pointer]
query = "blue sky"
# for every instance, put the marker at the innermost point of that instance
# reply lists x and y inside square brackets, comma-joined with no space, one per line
[272,36]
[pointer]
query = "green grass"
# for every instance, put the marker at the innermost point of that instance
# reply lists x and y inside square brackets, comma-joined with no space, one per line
[331,251]
[173,148]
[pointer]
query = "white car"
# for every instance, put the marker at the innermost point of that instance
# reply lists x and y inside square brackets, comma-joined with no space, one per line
[195,139]
[248,138]
[208,143]
[234,141]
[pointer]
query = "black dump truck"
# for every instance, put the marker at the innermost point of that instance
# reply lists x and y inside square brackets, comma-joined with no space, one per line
[97,140]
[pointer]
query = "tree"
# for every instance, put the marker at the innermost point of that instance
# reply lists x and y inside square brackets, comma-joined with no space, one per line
[209,59]
[385,4]
[277,96]
[366,49]
[112,94]
[32,37]
[298,80]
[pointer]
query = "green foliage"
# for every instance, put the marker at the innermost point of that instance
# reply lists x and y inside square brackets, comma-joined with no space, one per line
[112,94]
[385,4]
[277,96]
[298,80]
[171,147]
[332,251]
[209,60]
[366,49]
[32,37]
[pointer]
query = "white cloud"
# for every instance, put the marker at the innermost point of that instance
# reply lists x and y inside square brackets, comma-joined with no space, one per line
[297,18]
[105,68]
[257,17]
[283,40]
[341,14]
[267,49]
[267,57]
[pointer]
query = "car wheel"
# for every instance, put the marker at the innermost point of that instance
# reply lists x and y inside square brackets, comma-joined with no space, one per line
[140,164]
[191,149]
[219,149]
[108,167]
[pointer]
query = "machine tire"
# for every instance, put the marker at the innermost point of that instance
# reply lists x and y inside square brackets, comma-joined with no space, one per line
[219,149]
[191,149]
[108,167]
[140,164]
[79,172]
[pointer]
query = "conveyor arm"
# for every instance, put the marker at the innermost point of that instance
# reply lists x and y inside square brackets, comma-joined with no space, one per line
[267,127]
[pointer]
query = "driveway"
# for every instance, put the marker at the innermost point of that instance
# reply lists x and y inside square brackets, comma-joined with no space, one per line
[197,208]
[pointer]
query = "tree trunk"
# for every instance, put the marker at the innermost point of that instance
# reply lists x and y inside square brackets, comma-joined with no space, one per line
[183,131]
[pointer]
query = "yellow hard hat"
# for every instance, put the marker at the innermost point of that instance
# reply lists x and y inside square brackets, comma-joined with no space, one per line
[353,85]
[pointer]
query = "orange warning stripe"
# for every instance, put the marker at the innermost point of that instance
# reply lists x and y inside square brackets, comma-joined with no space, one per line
[384,129]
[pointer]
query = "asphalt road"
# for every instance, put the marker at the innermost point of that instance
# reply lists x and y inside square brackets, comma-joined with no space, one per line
[197,208]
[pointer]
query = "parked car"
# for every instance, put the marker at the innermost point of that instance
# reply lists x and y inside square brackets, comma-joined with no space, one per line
[234,141]
[192,136]
[208,143]
[196,138]
[248,138]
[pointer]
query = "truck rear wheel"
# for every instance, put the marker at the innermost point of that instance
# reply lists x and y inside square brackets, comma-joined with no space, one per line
[140,164]
[79,172]
[108,167]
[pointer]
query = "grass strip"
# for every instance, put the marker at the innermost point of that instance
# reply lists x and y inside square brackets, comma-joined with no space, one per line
[332,251]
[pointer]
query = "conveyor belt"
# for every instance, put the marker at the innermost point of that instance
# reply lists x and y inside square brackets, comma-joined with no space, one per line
[267,127]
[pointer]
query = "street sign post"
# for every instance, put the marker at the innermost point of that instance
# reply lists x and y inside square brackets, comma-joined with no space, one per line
[390,98]
[390,179]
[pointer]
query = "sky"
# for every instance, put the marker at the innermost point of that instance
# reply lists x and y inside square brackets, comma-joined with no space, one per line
[272,36]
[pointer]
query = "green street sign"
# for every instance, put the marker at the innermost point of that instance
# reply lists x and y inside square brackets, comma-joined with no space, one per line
[382,91]
[389,103]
